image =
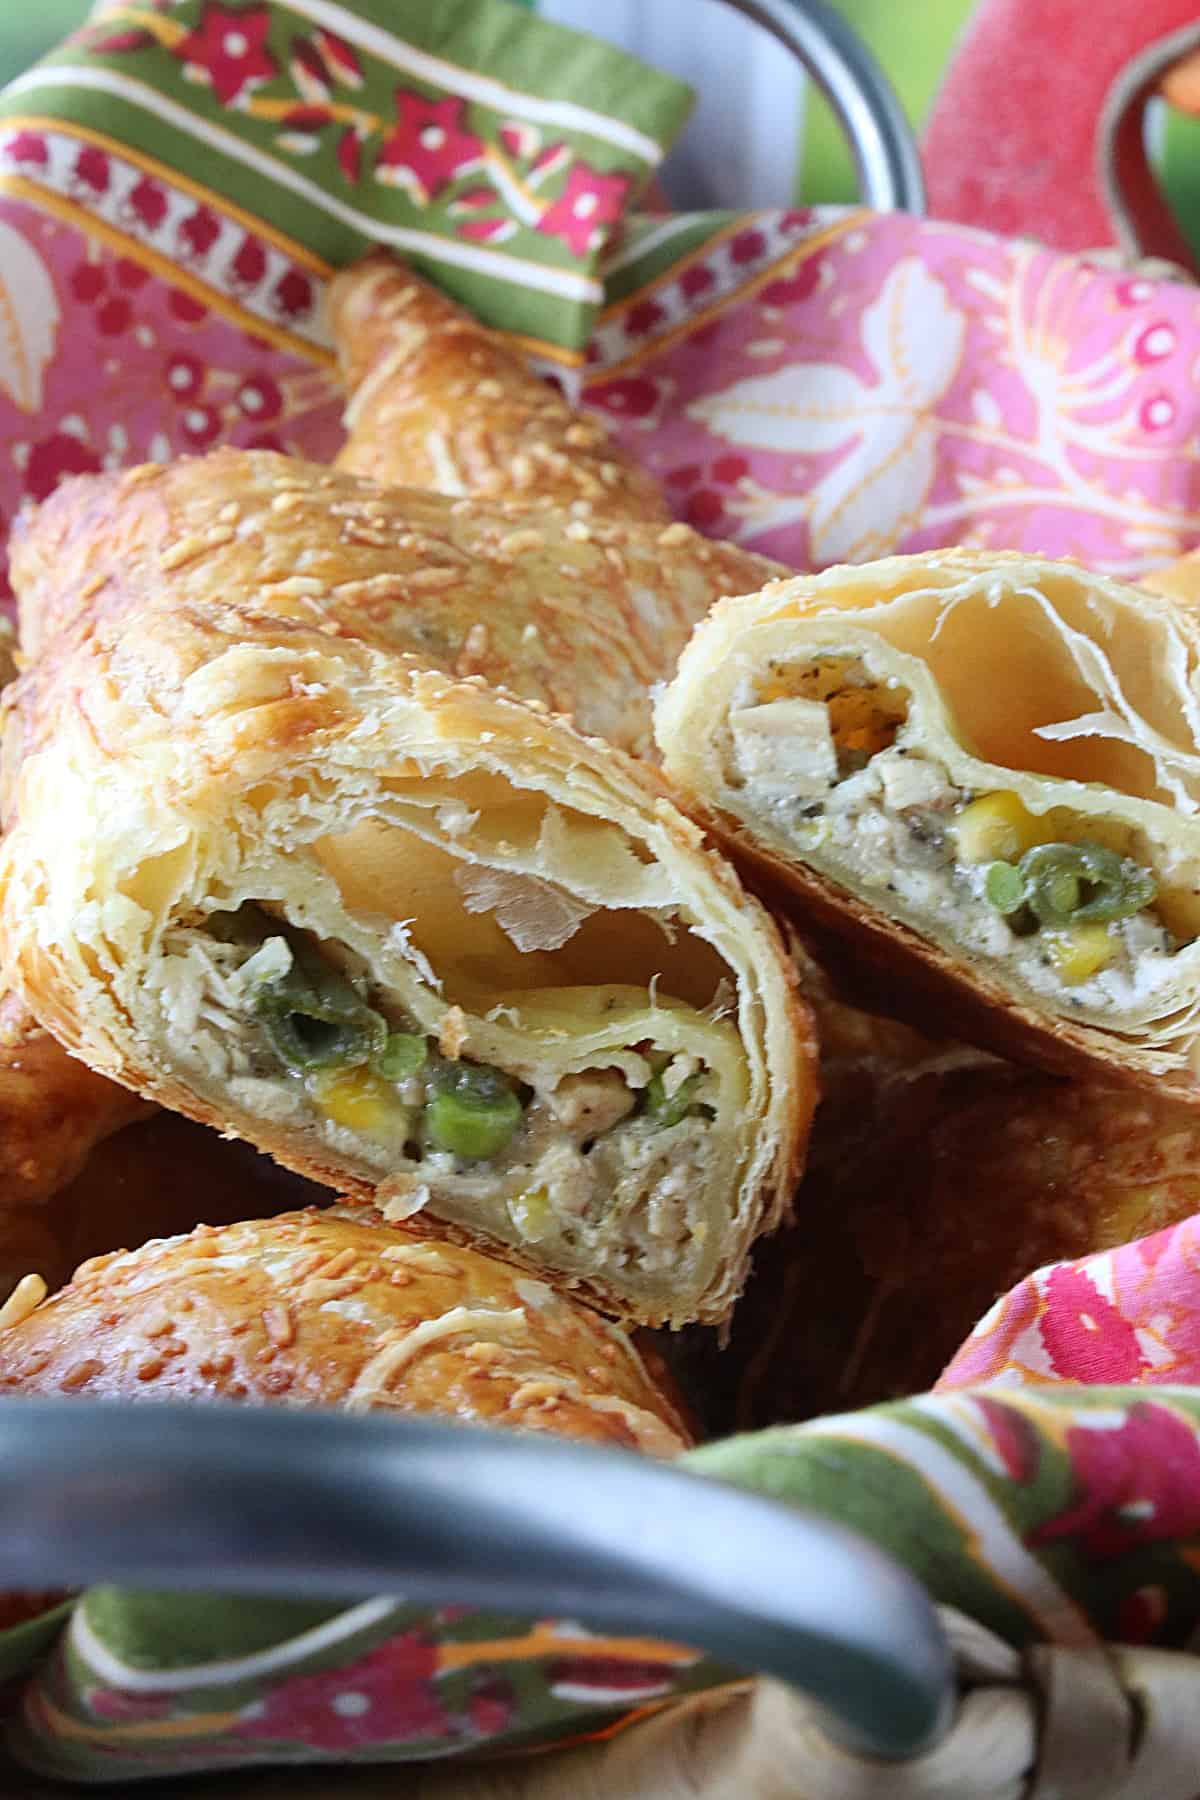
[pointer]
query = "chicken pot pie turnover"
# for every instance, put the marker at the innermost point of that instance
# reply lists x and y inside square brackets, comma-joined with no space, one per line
[415,939]
[984,771]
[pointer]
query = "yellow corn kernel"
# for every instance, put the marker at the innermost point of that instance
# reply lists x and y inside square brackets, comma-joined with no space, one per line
[360,1101]
[1081,952]
[531,1213]
[996,828]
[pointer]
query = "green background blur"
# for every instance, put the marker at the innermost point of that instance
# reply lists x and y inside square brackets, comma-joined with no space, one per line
[912,38]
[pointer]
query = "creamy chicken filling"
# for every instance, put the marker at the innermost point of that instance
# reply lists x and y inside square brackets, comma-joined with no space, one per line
[1073,904]
[611,1154]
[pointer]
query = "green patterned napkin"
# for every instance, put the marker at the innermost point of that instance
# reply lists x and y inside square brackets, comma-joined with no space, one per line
[498,151]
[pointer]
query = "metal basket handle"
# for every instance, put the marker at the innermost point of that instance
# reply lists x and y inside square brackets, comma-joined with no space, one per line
[270,1501]
[860,95]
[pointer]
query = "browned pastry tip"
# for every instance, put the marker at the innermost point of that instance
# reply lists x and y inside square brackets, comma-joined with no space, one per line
[439,401]
[338,1309]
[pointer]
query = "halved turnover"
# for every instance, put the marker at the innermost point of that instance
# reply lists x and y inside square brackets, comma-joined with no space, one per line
[414,938]
[984,770]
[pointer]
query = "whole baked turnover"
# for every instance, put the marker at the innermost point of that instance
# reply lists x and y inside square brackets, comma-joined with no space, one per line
[337,1308]
[984,769]
[419,941]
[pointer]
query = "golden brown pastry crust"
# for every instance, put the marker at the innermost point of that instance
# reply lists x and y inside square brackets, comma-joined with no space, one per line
[338,1309]
[200,707]
[582,616]
[438,401]
[942,986]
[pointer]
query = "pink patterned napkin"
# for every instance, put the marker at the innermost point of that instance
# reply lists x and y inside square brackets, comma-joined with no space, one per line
[1125,1315]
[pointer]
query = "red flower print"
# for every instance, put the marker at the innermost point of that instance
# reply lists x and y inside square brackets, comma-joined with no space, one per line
[339,59]
[293,294]
[491,1705]
[728,469]
[199,232]
[589,203]
[1012,1436]
[747,246]
[56,456]
[111,43]
[790,289]
[1156,343]
[92,169]
[487,231]
[268,440]
[306,118]
[597,1679]
[200,426]
[185,375]
[229,50]
[520,138]
[148,204]
[87,282]
[1157,411]
[1137,1483]
[643,318]
[1086,1338]
[631,396]
[349,154]
[28,147]
[114,316]
[131,274]
[429,146]
[120,1707]
[250,264]
[308,71]
[685,476]
[186,307]
[696,281]
[260,398]
[703,509]
[388,1696]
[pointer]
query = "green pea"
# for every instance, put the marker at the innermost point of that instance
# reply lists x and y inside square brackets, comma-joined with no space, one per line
[668,1109]
[404,1054]
[314,1019]
[470,1127]
[1004,886]
[474,1114]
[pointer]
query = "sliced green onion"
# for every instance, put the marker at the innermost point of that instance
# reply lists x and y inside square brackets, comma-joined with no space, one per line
[1004,887]
[475,1114]
[668,1109]
[314,1019]
[1074,883]
[405,1053]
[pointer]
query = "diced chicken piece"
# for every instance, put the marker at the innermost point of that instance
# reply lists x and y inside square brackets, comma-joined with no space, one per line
[785,746]
[677,1071]
[588,1104]
[911,781]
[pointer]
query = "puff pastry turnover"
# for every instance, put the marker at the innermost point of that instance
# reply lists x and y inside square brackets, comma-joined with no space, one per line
[336,1309]
[406,934]
[438,401]
[982,769]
